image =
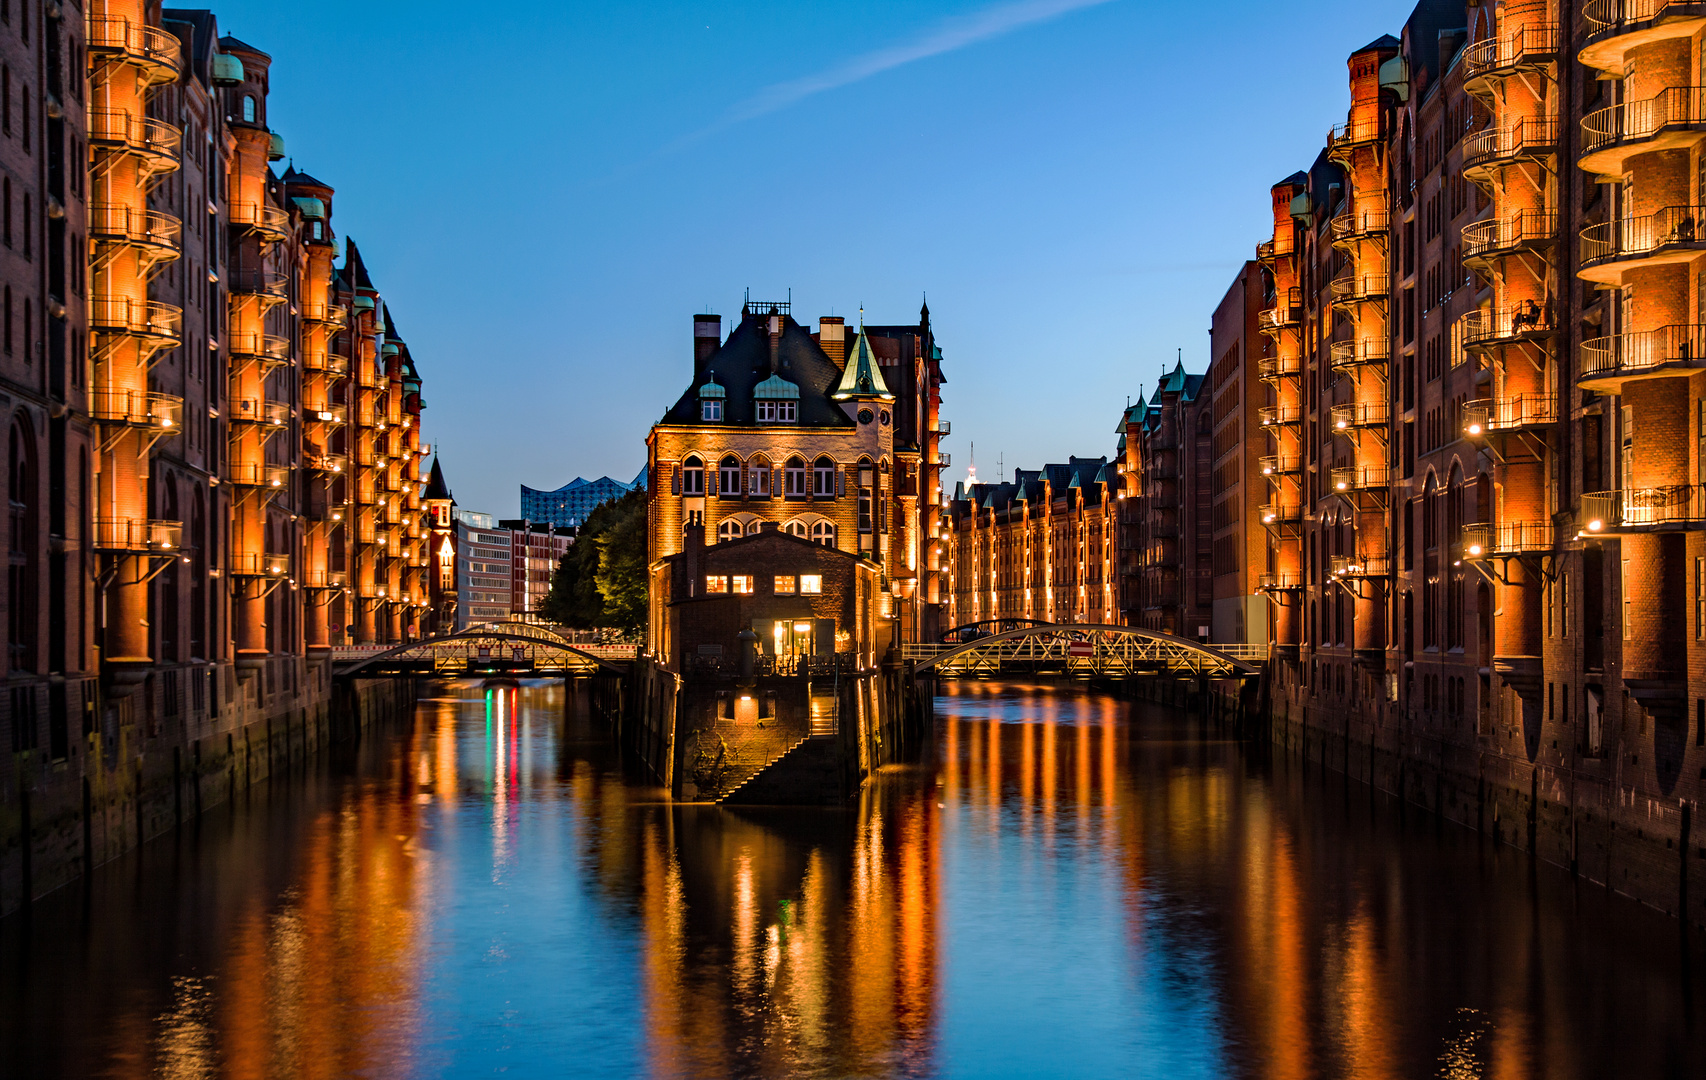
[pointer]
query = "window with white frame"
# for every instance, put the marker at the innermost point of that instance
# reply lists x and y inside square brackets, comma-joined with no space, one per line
[728,477]
[794,477]
[823,478]
[693,476]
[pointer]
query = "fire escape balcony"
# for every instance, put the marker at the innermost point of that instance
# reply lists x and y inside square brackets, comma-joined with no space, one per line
[1276,582]
[943,427]
[1276,514]
[273,414]
[326,579]
[157,237]
[1279,416]
[333,315]
[1355,416]
[1276,465]
[1355,226]
[1529,230]
[1527,140]
[161,324]
[265,349]
[331,464]
[1287,312]
[1344,139]
[1351,289]
[137,409]
[1275,368]
[369,376]
[154,52]
[1488,62]
[1670,508]
[1613,27]
[1491,416]
[322,506]
[137,535]
[1353,478]
[326,412]
[266,284]
[1664,353]
[259,475]
[1357,566]
[250,564]
[1672,120]
[1491,329]
[1265,253]
[1346,357]
[1498,539]
[156,144]
[327,362]
[269,223]
[1676,234]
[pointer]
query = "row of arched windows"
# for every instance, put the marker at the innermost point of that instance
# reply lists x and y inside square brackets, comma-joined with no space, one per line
[817,530]
[818,479]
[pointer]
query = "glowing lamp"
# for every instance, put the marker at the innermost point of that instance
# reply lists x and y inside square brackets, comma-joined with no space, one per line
[1474,549]
[1341,485]
[1595,525]
[1474,429]
[1341,425]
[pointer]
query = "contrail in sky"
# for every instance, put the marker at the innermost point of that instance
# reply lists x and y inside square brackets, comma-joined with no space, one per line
[950,36]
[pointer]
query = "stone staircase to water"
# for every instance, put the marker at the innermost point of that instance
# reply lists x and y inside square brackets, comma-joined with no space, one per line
[809,773]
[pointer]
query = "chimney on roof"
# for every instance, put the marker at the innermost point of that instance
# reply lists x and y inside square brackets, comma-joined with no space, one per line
[832,337]
[707,335]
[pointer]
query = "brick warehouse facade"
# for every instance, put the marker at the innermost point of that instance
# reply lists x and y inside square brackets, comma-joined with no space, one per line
[1483,406]
[212,449]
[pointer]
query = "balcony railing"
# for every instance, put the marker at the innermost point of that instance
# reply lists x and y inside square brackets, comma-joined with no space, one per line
[156,52]
[1485,416]
[1644,509]
[326,412]
[1534,44]
[138,534]
[1270,368]
[1488,328]
[944,427]
[1682,227]
[1355,225]
[1678,107]
[1361,478]
[330,314]
[1355,288]
[250,564]
[1621,355]
[144,318]
[256,411]
[1343,138]
[335,464]
[369,376]
[1485,539]
[250,474]
[156,143]
[264,347]
[1265,252]
[944,459]
[1280,513]
[1281,464]
[159,235]
[1359,414]
[268,222]
[1609,18]
[1287,311]
[253,282]
[1347,355]
[1357,566]
[1519,232]
[1279,416]
[1523,140]
[136,408]
[1272,582]
[326,579]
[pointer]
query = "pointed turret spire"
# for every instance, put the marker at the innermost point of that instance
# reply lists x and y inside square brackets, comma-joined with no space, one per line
[862,377]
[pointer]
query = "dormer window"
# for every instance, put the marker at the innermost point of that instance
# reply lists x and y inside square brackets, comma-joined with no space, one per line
[778,412]
[777,401]
[711,409]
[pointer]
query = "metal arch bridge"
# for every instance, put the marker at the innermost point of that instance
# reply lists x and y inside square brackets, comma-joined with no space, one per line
[497,649]
[973,631]
[1088,649]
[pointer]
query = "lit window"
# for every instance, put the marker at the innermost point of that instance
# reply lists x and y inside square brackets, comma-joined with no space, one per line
[794,475]
[787,583]
[758,483]
[823,533]
[729,529]
[728,478]
[693,477]
[811,583]
[778,412]
[797,528]
[716,584]
[743,584]
[248,109]
[823,478]
[711,410]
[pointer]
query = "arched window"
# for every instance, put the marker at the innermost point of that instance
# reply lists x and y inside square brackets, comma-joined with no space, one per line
[794,477]
[693,476]
[729,529]
[823,478]
[753,526]
[797,528]
[758,478]
[248,108]
[823,532]
[22,507]
[728,477]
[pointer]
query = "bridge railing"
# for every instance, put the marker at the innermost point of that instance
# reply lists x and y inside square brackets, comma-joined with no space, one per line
[1236,650]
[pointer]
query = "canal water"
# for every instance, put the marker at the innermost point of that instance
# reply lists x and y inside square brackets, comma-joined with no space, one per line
[1071,886]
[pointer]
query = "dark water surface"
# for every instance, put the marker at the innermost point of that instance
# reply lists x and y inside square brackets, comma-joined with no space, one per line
[1072,886]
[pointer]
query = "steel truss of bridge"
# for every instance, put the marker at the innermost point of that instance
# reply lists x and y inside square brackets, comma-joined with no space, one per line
[515,649]
[1088,650]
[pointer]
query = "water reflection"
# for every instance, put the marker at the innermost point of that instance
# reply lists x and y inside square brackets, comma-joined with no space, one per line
[1070,886]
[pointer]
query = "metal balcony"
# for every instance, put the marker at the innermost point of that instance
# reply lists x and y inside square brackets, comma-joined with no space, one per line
[269,223]
[1613,27]
[1670,121]
[154,52]
[1361,478]
[1490,329]
[1275,514]
[1345,138]
[1281,464]
[1526,140]
[944,459]
[943,427]
[156,236]
[1352,288]
[136,535]
[326,579]
[266,284]
[1347,356]
[1650,509]
[1356,415]
[326,412]
[1490,60]
[1529,230]
[1669,351]
[1279,416]
[1490,416]
[1675,234]
[257,411]
[1265,253]
[269,477]
[1354,226]
[327,363]
[1357,566]
[137,409]
[249,564]
[369,376]
[1493,539]
[1272,582]
[334,464]
[155,144]
[161,323]
[269,350]
[1274,368]
[333,315]
[1286,312]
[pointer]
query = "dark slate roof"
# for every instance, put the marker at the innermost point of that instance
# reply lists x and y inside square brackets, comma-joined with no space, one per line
[1296,179]
[743,361]
[392,334]
[228,42]
[436,487]
[1383,42]
[293,175]
[355,270]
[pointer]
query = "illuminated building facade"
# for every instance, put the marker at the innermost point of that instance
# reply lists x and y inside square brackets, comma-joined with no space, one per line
[212,448]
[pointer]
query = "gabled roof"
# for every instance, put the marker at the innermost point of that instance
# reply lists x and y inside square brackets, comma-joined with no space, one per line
[355,269]
[862,377]
[436,487]
[1383,42]
[228,43]
[293,175]
[744,361]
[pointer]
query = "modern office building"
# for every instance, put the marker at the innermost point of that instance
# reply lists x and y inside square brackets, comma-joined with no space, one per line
[569,505]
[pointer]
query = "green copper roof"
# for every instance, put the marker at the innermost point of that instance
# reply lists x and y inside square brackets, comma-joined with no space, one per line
[776,388]
[712,389]
[1176,381]
[861,377]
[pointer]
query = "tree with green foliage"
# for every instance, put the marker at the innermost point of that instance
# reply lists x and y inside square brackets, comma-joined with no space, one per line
[595,581]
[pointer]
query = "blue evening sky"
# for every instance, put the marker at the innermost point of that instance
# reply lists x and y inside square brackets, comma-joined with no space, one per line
[547,192]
